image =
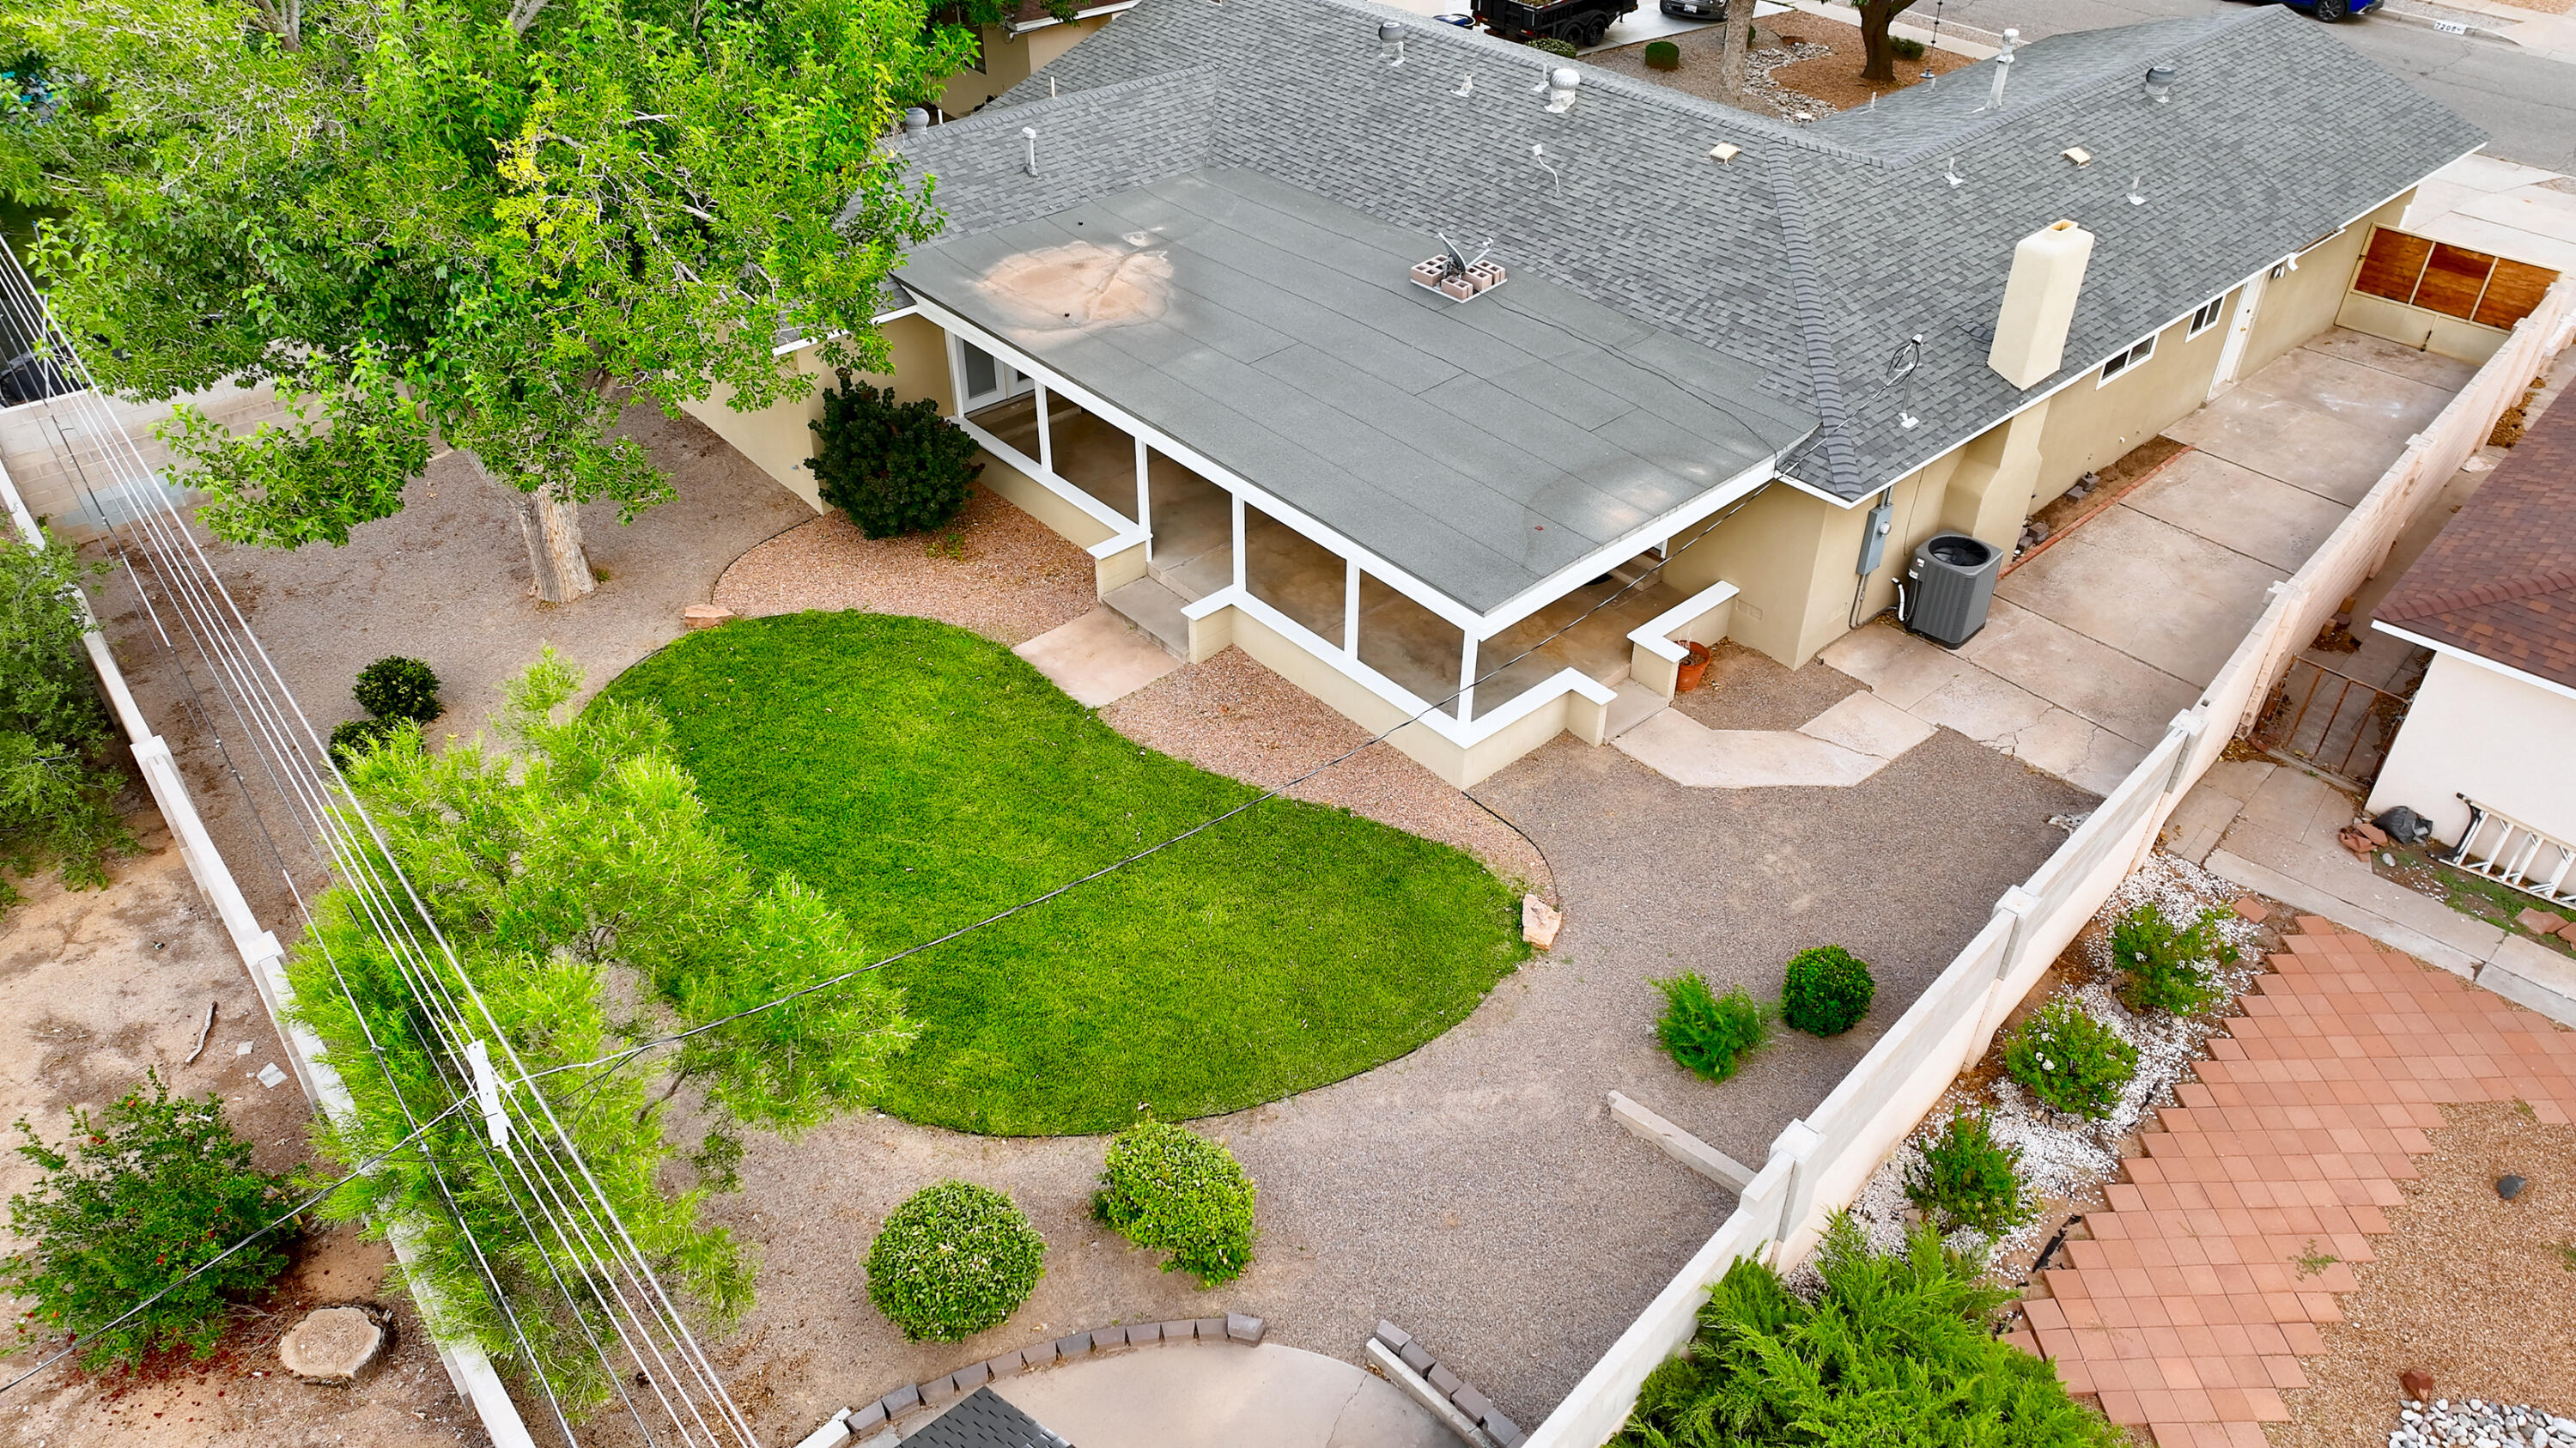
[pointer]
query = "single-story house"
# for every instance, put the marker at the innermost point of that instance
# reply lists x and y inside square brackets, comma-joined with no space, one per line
[1189,299]
[2488,749]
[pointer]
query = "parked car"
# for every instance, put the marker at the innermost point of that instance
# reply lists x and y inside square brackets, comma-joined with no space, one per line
[1576,22]
[2331,11]
[1695,9]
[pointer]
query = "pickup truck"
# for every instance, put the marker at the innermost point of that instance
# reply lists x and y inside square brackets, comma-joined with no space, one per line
[1578,23]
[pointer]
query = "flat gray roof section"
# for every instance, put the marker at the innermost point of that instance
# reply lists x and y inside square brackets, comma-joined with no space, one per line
[1479,446]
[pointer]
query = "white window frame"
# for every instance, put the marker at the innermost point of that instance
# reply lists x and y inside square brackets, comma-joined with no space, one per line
[2128,357]
[2207,317]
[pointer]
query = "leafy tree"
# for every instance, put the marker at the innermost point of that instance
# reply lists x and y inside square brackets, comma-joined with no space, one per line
[140,1194]
[584,893]
[492,222]
[57,794]
[1879,55]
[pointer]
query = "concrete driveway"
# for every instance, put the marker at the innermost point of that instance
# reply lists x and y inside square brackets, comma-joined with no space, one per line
[2097,641]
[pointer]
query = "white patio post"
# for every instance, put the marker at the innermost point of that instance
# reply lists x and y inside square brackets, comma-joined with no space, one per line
[1144,501]
[1351,608]
[1467,680]
[1046,435]
[1237,499]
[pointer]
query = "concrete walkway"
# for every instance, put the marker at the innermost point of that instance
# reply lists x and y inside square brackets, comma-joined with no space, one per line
[1848,743]
[1098,658]
[1200,1394]
[2190,1299]
[2095,643]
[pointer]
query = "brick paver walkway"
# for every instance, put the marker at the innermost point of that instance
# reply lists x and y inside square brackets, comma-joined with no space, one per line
[2189,1307]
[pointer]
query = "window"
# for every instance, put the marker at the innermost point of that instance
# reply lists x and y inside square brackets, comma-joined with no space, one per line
[2122,361]
[2206,317]
[2454,281]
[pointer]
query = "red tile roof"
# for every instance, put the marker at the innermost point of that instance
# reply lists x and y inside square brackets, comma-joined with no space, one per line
[2500,581]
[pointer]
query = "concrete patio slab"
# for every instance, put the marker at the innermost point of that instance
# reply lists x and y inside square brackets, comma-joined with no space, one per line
[2087,678]
[1983,706]
[1187,1395]
[2432,368]
[2076,750]
[2163,595]
[1867,724]
[2267,519]
[1098,658]
[2351,392]
[1897,666]
[1690,753]
[2283,439]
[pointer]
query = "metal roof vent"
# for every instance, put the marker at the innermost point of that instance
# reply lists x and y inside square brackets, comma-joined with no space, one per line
[1561,83]
[915,121]
[2160,79]
[1390,39]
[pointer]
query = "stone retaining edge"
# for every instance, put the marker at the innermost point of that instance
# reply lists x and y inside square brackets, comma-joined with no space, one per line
[1444,1392]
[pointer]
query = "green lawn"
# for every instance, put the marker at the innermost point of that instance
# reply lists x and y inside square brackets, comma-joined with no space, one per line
[922,777]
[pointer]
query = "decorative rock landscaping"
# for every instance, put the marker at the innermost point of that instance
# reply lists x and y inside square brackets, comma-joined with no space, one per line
[2476,1424]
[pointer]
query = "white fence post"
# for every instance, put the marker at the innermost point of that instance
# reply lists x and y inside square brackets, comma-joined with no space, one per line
[1796,1144]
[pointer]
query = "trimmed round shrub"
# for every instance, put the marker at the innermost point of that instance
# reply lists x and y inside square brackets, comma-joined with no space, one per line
[2070,1060]
[1550,45]
[1904,49]
[1826,991]
[1968,1179]
[399,688]
[351,738]
[893,467]
[2170,968]
[1168,1189]
[1663,55]
[953,1260]
[1708,1033]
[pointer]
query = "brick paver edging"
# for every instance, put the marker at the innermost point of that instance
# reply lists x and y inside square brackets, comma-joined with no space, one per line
[1233,1327]
[1462,1395]
[2205,1278]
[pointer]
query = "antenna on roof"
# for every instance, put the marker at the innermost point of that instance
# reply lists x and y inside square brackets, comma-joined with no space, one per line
[1459,263]
[1538,153]
[1900,369]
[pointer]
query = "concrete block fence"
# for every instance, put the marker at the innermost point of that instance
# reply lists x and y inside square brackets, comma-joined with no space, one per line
[1818,1164]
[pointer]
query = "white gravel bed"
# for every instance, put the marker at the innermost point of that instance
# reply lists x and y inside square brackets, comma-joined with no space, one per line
[2476,1424]
[2064,1156]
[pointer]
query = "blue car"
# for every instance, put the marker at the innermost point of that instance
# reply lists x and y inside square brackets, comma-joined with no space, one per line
[2331,11]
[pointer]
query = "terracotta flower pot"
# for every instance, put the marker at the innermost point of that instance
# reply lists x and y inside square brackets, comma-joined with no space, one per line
[1693,668]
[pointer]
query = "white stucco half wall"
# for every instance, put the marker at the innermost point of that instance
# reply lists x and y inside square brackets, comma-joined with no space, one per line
[2496,736]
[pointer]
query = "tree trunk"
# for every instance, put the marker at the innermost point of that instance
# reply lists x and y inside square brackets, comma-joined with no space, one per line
[1881,64]
[1733,47]
[553,530]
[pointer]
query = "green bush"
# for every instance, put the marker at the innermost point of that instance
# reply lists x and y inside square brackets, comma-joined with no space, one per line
[1896,1349]
[1905,49]
[399,688]
[953,1260]
[352,738]
[1826,991]
[893,467]
[57,793]
[1168,1189]
[1968,1179]
[1663,55]
[1709,1033]
[136,1197]
[2169,969]
[2070,1060]
[1550,45]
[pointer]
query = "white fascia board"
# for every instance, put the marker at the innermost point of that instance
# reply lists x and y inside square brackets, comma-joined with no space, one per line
[2454,651]
[1626,546]
[1014,29]
[1438,603]
[1838,500]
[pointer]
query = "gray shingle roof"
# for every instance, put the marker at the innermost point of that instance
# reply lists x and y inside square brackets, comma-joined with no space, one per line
[1479,446]
[983,1419]
[1811,257]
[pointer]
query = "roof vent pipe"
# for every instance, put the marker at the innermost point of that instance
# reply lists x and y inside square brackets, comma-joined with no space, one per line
[2039,303]
[1390,36]
[2160,79]
[2003,69]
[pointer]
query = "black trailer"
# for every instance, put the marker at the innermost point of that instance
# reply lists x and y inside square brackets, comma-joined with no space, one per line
[1576,22]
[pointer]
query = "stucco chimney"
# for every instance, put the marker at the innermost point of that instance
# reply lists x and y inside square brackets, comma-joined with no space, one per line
[2039,302]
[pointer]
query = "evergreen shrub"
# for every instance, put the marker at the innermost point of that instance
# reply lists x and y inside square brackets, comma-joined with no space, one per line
[893,467]
[1663,55]
[2169,967]
[1968,1179]
[398,688]
[1550,45]
[1168,1189]
[1826,991]
[953,1260]
[2070,1060]
[1708,1033]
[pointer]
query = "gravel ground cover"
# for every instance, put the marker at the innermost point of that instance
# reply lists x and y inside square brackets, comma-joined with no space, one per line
[2473,1289]
[1813,66]
[2064,1157]
[923,778]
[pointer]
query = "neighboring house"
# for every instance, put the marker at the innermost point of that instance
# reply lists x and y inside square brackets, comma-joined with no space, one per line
[1011,52]
[2494,598]
[1179,318]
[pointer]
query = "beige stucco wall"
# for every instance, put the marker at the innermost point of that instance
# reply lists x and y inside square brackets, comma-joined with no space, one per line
[2416,327]
[2090,426]
[1008,60]
[2299,304]
[2496,738]
[778,438]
